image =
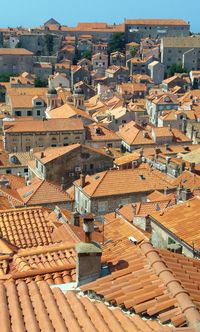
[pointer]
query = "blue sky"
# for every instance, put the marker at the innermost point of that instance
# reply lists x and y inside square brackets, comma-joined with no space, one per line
[69,12]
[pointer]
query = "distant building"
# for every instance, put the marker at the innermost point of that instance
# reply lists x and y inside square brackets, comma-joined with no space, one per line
[137,29]
[15,60]
[156,71]
[182,51]
[22,135]
[62,165]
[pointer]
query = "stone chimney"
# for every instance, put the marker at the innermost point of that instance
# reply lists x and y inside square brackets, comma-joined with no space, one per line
[82,180]
[88,261]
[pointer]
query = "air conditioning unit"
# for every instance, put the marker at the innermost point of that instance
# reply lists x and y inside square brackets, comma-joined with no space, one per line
[77,169]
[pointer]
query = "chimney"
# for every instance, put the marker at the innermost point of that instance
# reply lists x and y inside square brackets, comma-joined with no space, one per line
[134,209]
[75,218]
[192,167]
[42,155]
[82,180]
[88,261]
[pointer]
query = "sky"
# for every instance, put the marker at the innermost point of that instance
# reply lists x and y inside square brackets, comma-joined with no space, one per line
[32,13]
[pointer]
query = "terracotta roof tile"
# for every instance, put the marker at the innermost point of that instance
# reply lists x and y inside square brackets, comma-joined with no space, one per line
[42,192]
[43,126]
[140,180]
[26,227]
[187,214]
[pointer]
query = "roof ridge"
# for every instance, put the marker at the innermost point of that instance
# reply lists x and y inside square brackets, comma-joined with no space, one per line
[173,285]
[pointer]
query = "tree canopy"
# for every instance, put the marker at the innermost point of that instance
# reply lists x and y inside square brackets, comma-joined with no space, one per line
[174,68]
[40,83]
[116,42]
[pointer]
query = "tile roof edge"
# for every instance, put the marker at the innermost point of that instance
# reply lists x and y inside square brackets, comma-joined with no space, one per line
[174,286]
[34,272]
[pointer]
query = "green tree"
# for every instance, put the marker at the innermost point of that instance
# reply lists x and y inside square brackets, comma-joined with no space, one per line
[40,83]
[5,77]
[49,43]
[86,55]
[133,51]
[18,45]
[117,42]
[174,68]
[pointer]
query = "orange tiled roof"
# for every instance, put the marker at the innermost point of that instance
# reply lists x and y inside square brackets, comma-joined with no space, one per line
[182,220]
[144,208]
[188,180]
[156,22]
[114,182]
[158,196]
[26,227]
[132,133]
[14,51]
[67,111]
[43,126]
[139,281]
[105,133]
[42,192]
[53,153]
[41,308]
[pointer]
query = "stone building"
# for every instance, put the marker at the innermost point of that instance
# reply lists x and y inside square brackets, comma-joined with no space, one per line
[100,62]
[117,59]
[62,165]
[106,191]
[22,135]
[15,60]
[182,51]
[156,71]
[137,29]
[31,102]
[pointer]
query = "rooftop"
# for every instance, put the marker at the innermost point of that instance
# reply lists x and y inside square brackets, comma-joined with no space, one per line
[175,217]
[114,182]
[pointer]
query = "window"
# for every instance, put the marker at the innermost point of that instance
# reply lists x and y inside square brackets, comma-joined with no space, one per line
[36,163]
[42,168]
[28,148]
[91,166]
[8,171]
[109,145]
[29,113]
[38,113]
[18,113]
[38,103]
[171,241]
[77,137]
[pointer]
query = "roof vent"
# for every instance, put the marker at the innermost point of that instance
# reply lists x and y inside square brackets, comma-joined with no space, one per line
[132,239]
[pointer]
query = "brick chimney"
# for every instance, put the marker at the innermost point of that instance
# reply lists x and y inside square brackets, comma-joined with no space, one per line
[82,180]
[88,261]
